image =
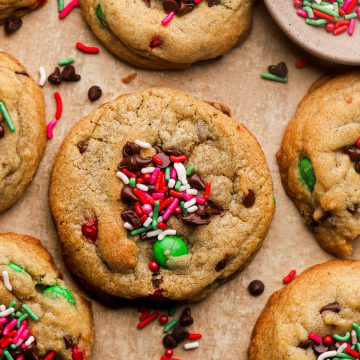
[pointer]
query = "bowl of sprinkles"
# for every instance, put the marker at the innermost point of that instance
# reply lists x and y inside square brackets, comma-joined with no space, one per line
[328,29]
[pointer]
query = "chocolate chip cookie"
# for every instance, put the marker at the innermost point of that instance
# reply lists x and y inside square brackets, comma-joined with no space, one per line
[315,317]
[22,130]
[40,317]
[319,161]
[16,8]
[158,194]
[168,34]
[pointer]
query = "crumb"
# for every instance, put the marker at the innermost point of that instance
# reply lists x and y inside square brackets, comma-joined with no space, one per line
[129,78]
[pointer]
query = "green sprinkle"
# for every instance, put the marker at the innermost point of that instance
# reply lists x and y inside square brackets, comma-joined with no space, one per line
[357,329]
[8,355]
[13,346]
[358,346]
[190,170]
[307,174]
[67,61]
[54,291]
[60,5]
[12,304]
[350,16]
[344,356]
[344,338]
[272,77]
[172,310]
[274,201]
[132,182]
[155,215]
[308,9]
[30,312]
[140,230]
[325,10]
[21,319]
[178,185]
[16,267]
[7,118]
[100,16]
[18,314]
[167,174]
[169,326]
[320,22]
[182,205]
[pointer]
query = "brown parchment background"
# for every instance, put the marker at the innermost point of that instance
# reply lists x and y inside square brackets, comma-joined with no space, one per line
[227,317]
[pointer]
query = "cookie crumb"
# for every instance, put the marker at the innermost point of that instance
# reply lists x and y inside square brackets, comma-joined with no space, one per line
[129,78]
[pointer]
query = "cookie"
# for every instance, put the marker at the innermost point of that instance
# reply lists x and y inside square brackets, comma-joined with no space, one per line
[134,32]
[22,141]
[319,161]
[312,316]
[40,315]
[16,8]
[159,194]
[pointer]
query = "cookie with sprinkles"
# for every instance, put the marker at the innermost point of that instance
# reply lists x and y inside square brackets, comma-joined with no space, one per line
[12,10]
[22,130]
[158,194]
[319,161]
[41,318]
[168,34]
[301,322]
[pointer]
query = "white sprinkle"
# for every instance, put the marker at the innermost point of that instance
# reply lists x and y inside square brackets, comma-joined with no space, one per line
[184,187]
[181,172]
[6,279]
[147,222]
[147,170]
[153,233]
[192,209]
[143,144]
[122,177]
[354,339]
[171,183]
[19,342]
[341,348]
[190,203]
[165,233]
[42,79]
[128,226]
[192,191]
[327,354]
[160,219]
[142,187]
[191,345]
[151,214]
[2,307]
[7,312]
[29,341]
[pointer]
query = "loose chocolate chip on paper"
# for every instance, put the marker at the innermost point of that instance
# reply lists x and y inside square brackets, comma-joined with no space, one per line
[94,93]
[12,24]
[69,73]
[256,287]
[185,318]
[179,333]
[279,70]
[55,78]
[170,342]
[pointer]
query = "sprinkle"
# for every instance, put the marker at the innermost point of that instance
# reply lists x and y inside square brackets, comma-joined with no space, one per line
[273,77]
[155,214]
[351,27]
[171,183]
[122,177]
[172,310]
[170,325]
[21,321]
[181,172]
[346,337]
[6,280]
[59,105]
[60,5]
[191,345]
[30,312]
[167,174]
[194,336]
[128,226]
[192,209]
[87,49]
[143,144]
[70,6]
[168,18]
[6,312]
[289,277]
[341,348]
[166,233]
[315,338]
[148,221]
[153,233]
[190,170]
[176,159]
[354,338]
[67,61]
[184,211]
[9,326]
[50,127]
[170,209]
[173,174]
[142,187]
[42,79]
[8,355]
[327,354]
[29,341]
[6,116]
[147,170]
[184,187]
[154,176]
[148,320]
[157,160]
[190,203]
[192,191]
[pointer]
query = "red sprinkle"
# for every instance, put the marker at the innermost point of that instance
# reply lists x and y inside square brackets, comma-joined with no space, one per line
[50,356]
[148,320]
[340,30]
[176,193]
[352,352]
[137,208]
[87,49]
[144,197]
[169,352]
[178,210]
[327,340]
[90,229]
[207,190]
[289,277]
[128,173]
[157,160]
[301,64]
[59,105]
[76,353]
[165,203]
[162,226]
[143,218]
[144,315]
[323,15]
[72,4]
[194,336]
[357,142]
[180,158]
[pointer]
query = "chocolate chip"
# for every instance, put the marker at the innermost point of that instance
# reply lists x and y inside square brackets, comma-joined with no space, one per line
[170,342]
[69,73]
[82,146]
[165,160]
[320,348]
[68,341]
[134,162]
[12,24]
[131,217]
[127,196]
[221,265]
[174,152]
[213,2]
[179,333]
[2,131]
[186,318]
[249,199]
[23,73]
[209,209]
[185,8]
[256,287]
[354,153]
[279,70]
[55,78]
[170,6]
[305,344]
[354,209]
[94,93]
[130,148]
[334,307]
[195,219]
[196,182]
[357,167]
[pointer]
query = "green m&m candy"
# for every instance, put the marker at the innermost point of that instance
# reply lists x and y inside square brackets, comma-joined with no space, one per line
[54,291]
[170,247]
[307,174]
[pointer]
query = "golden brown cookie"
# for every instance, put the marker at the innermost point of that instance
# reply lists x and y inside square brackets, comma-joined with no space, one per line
[311,317]
[134,32]
[319,161]
[21,144]
[18,8]
[108,241]
[43,318]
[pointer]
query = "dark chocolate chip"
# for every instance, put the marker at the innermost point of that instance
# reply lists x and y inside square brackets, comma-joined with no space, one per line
[221,265]
[82,146]
[170,342]
[23,73]
[130,216]
[12,24]
[354,209]
[249,199]
[195,219]
[334,307]
[94,93]
[69,73]
[134,162]
[179,333]
[357,167]
[2,131]
[213,2]
[127,196]
[68,341]
[186,318]
[256,287]
[173,152]
[196,182]
[279,70]
[165,160]
[185,8]
[305,344]
[354,153]
[170,6]
[130,148]
[320,348]
[55,78]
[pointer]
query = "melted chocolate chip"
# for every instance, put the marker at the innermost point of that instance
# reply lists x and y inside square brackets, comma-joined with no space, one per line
[55,78]
[196,182]
[305,344]
[195,219]
[12,24]
[68,341]
[335,307]
[2,131]
[354,209]
[131,217]
[221,265]
[135,162]
[165,160]
[357,167]
[82,146]
[127,196]
[213,2]
[23,73]
[156,282]
[173,152]
[249,199]
[354,153]
[130,148]
[171,6]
